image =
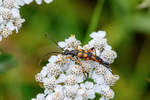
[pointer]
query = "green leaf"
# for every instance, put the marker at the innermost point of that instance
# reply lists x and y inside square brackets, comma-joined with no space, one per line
[6,62]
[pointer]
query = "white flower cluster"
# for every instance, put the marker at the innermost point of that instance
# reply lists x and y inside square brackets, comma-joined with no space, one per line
[64,79]
[10,19]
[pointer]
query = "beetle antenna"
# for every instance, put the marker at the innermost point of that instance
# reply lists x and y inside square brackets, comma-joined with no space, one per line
[47,35]
[46,55]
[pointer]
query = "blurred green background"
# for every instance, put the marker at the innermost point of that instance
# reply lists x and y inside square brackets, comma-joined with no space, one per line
[128,32]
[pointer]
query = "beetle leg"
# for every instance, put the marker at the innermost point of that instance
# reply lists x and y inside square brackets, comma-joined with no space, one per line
[94,51]
[78,61]
[90,50]
[62,59]
[87,58]
[70,57]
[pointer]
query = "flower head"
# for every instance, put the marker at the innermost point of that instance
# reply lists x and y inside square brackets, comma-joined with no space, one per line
[10,18]
[64,79]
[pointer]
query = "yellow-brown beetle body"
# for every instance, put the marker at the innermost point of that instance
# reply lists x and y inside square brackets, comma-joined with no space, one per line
[86,55]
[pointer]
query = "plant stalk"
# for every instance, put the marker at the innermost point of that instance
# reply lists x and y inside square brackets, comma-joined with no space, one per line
[95,19]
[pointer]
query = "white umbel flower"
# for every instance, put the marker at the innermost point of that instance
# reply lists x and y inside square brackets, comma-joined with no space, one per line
[76,70]
[100,70]
[39,77]
[10,18]
[5,13]
[86,91]
[70,43]
[70,92]
[54,70]
[110,79]
[108,55]
[8,3]
[70,80]
[49,83]
[57,94]
[65,79]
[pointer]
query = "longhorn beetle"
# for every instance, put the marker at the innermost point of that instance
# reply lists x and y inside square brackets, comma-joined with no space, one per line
[82,54]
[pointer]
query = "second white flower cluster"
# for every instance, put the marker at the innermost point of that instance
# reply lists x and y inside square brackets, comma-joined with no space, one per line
[64,80]
[10,18]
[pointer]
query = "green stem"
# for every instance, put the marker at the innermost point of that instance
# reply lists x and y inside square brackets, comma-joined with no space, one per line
[95,19]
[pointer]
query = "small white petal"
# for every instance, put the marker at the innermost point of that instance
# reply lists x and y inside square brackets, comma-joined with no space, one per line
[91,94]
[98,35]
[0,37]
[1,19]
[48,1]
[49,97]
[1,2]
[99,79]
[28,1]
[89,85]
[61,78]
[38,2]
[15,13]
[61,44]
[103,98]
[19,3]
[10,26]
[53,59]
